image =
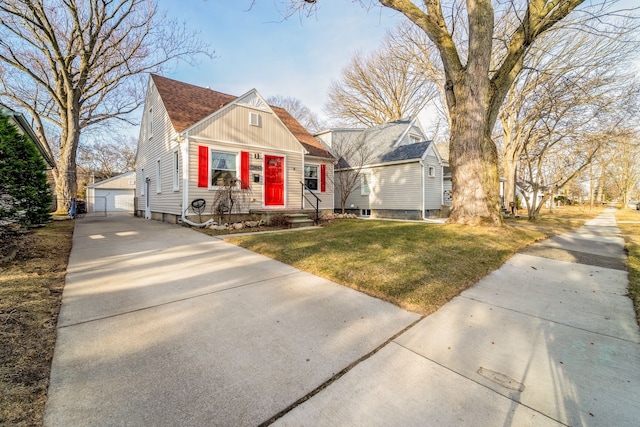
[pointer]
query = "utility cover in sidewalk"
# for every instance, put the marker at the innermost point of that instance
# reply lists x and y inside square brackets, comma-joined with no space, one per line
[501,379]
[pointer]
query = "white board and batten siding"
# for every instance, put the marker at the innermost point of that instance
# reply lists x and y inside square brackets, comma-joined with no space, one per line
[231,131]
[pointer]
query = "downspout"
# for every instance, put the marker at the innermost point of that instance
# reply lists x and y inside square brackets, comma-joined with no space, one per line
[184,152]
[185,143]
[441,188]
[422,188]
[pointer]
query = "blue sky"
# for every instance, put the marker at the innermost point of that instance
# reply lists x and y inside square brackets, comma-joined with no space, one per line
[296,58]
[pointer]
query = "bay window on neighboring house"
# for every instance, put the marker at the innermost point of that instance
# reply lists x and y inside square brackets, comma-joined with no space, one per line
[315,177]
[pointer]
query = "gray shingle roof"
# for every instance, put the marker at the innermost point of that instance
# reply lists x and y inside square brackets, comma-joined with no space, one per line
[390,142]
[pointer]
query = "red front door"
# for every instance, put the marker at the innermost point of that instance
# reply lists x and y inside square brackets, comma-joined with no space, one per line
[273,181]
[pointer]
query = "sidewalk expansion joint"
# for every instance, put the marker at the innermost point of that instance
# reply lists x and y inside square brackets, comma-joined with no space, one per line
[480,384]
[550,320]
[337,376]
[111,316]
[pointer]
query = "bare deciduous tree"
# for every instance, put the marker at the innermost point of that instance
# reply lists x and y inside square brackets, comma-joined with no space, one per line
[568,76]
[624,165]
[106,159]
[352,155]
[379,88]
[76,64]
[297,109]
[478,76]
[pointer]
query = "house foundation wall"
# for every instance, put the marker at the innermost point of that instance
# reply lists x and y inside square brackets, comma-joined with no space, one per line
[399,213]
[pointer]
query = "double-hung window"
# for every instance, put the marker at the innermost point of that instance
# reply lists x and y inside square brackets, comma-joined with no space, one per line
[176,171]
[311,177]
[224,168]
[365,189]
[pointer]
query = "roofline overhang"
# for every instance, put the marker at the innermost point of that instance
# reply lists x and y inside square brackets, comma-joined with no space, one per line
[22,122]
[377,165]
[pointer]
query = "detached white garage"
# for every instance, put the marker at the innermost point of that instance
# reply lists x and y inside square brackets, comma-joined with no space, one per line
[112,195]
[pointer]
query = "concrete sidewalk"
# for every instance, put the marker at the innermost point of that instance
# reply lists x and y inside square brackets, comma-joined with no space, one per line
[164,326]
[548,339]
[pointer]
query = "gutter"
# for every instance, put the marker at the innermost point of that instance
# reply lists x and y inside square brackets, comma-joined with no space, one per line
[22,122]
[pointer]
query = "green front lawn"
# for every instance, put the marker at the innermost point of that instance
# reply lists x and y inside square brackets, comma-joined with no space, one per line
[416,266]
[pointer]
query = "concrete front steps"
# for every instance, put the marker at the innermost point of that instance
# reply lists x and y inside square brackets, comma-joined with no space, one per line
[297,218]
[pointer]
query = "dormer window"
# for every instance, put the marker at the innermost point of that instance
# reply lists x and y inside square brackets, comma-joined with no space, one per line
[254,119]
[414,139]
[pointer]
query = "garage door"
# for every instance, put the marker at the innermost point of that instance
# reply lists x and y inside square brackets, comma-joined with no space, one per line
[115,200]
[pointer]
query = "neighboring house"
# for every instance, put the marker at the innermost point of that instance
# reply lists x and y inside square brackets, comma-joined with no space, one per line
[193,138]
[112,195]
[23,126]
[401,177]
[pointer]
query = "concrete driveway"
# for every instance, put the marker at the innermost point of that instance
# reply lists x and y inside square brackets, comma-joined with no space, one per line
[161,325]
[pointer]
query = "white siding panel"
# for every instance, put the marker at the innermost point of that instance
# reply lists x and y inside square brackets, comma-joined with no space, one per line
[293,174]
[326,197]
[396,187]
[355,200]
[151,148]
[432,185]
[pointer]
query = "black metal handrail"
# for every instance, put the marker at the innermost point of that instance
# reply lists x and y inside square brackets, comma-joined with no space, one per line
[304,195]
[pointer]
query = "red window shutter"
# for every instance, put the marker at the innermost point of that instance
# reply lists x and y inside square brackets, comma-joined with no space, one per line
[323,178]
[244,169]
[203,166]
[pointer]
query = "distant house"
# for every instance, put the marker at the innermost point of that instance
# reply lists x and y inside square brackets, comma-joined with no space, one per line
[194,139]
[401,177]
[115,194]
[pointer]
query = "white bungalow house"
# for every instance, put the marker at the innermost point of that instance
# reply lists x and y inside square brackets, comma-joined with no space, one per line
[402,175]
[193,138]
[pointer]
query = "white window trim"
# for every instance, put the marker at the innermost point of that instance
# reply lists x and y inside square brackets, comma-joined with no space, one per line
[255,119]
[176,170]
[143,186]
[431,171]
[158,177]
[318,169]
[150,123]
[237,169]
[364,176]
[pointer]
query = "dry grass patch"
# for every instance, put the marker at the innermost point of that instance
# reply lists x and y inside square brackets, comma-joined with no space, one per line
[30,294]
[416,266]
[629,224]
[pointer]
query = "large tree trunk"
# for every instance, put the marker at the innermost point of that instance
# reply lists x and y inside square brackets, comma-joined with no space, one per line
[473,154]
[65,173]
[474,160]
